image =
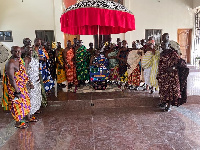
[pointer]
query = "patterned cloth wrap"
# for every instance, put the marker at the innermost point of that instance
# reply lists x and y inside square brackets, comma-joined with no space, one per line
[113,66]
[169,85]
[5,102]
[82,64]
[20,107]
[61,75]
[45,72]
[99,71]
[71,72]
[35,93]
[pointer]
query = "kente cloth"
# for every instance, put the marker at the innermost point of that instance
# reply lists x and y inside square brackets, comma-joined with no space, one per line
[134,77]
[168,81]
[99,70]
[61,75]
[183,72]
[147,60]
[20,107]
[82,64]
[35,93]
[146,64]
[44,70]
[5,100]
[154,69]
[71,71]
[114,74]
[122,64]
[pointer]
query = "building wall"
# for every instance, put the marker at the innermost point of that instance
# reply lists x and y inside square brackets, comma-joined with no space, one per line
[196,3]
[168,15]
[23,18]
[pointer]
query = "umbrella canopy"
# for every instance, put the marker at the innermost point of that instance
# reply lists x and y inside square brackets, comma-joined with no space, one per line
[90,17]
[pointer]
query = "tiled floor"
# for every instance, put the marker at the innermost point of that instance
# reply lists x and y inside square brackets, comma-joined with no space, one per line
[118,120]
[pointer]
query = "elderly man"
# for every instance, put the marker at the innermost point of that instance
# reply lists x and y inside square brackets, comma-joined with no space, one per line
[168,79]
[18,94]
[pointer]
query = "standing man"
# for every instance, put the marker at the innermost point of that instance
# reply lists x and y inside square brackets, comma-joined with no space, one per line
[36,47]
[61,76]
[82,63]
[27,43]
[168,79]
[18,94]
[70,66]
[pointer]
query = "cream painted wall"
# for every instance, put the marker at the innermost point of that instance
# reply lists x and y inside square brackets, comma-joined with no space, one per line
[23,18]
[196,3]
[168,15]
[58,10]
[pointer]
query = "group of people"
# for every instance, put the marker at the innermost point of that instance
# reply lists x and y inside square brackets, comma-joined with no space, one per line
[31,71]
[27,81]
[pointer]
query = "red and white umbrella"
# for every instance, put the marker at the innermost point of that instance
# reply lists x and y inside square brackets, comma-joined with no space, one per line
[91,17]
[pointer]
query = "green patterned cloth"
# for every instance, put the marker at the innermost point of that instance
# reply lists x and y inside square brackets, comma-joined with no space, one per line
[82,64]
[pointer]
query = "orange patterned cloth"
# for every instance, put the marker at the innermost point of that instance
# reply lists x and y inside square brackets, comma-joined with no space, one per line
[20,107]
[71,72]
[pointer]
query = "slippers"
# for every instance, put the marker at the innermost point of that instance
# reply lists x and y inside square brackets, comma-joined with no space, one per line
[33,119]
[22,125]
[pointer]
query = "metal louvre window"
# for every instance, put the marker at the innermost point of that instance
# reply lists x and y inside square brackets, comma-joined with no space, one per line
[6,36]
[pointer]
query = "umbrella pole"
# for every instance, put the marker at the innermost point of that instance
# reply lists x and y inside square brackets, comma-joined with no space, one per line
[98,36]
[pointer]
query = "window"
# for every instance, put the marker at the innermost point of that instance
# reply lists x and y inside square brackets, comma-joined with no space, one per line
[6,36]
[156,34]
[45,35]
[197,23]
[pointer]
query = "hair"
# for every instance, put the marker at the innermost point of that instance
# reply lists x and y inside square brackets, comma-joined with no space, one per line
[36,39]
[14,48]
[165,35]
[25,39]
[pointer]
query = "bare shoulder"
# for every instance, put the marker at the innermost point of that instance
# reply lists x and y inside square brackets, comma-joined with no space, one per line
[10,64]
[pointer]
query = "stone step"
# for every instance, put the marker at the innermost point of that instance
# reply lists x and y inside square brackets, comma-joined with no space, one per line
[130,100]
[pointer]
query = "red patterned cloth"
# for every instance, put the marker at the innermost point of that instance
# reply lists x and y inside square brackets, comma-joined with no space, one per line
[134,77]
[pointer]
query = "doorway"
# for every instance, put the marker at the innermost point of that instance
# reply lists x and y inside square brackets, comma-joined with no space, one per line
[184,37]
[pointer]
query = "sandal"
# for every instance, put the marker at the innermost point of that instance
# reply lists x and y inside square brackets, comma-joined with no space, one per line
[22,125]
[33,119]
